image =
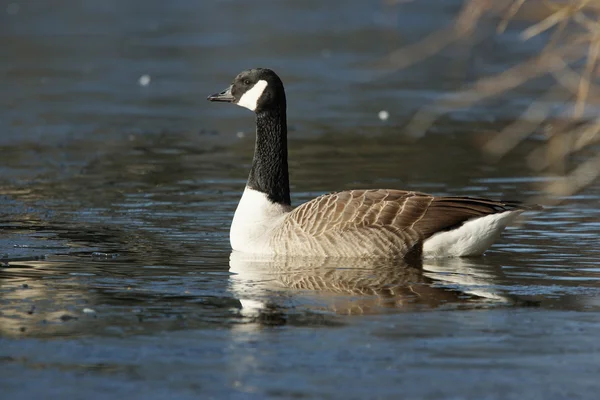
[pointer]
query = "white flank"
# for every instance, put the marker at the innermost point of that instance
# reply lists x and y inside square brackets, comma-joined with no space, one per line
[250,98]
[472,238]
[253,222]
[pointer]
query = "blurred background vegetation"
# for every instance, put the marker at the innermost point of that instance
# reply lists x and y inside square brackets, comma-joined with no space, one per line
[563,118]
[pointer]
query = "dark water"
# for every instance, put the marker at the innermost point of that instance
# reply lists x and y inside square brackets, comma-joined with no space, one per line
[116,199]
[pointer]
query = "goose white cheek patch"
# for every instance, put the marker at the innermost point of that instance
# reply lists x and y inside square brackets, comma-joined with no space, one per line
[250,98]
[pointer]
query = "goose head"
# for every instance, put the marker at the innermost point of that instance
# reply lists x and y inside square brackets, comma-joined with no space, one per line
[257,89]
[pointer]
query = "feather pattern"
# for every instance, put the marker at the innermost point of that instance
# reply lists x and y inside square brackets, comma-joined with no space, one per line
[379,222]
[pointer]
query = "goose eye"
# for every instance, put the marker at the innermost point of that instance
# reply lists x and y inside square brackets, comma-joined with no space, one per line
[246,81]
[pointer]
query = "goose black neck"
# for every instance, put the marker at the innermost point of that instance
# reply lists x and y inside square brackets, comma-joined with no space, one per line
[269,172]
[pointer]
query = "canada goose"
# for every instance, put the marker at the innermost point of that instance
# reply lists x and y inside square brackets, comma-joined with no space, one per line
[354,223]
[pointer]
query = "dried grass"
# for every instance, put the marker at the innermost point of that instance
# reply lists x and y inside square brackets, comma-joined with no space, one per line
[571,57]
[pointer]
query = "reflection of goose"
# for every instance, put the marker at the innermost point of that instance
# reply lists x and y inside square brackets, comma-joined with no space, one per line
[353,285]
[356,223]
[465,275]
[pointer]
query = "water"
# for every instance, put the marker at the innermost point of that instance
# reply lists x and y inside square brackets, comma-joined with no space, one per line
[116,200]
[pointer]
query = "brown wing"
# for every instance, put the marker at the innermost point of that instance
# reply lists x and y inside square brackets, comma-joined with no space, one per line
[423,213]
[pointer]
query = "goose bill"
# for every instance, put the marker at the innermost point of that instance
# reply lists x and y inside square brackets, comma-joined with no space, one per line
[224,96]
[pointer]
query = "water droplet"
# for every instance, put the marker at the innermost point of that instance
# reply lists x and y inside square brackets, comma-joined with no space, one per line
[144,80]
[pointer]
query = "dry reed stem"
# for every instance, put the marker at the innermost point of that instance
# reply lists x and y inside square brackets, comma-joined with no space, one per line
[533,117]
[512,11]
[585,81]
[563,13]
[485,88]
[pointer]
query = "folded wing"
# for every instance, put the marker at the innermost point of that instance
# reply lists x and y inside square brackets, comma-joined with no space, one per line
[411,217]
